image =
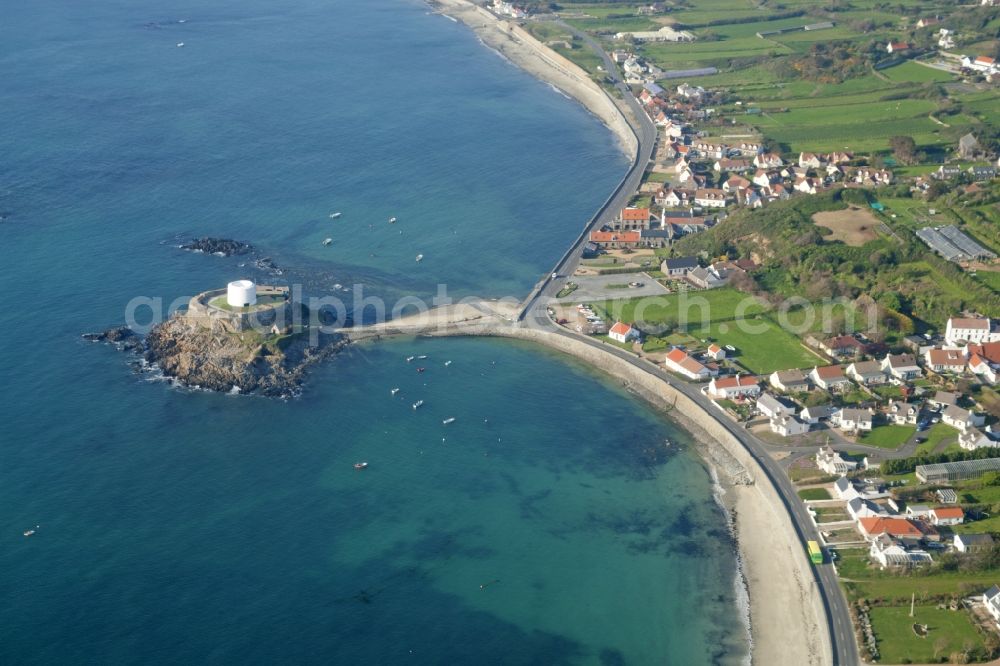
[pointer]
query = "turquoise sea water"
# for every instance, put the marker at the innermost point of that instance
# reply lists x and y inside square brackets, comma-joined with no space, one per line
[180,526]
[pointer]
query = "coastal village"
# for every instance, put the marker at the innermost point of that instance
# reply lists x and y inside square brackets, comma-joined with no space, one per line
[885,415]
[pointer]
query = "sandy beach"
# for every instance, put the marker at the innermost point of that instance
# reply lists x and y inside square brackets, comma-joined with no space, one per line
[526,52]
[775,568]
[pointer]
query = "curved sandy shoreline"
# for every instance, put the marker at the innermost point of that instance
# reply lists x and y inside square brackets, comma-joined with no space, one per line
[526,52]
[775,568]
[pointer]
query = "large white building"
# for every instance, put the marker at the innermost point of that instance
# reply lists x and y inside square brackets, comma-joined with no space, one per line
[241,293]
[971,329]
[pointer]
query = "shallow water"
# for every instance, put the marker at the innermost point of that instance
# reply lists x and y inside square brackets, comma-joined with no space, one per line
[180,526]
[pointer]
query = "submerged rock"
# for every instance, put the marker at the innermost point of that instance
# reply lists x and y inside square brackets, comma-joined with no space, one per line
[225,247]
[122,337]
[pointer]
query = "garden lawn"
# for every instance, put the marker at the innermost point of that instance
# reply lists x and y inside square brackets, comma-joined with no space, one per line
[887,436]
[949,631]
[910,71]
[937,433]
[814,494]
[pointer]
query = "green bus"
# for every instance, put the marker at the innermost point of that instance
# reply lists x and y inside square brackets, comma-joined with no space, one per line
[815,553]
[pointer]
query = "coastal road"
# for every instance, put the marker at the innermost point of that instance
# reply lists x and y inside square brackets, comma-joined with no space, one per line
[645,134]
[535,314]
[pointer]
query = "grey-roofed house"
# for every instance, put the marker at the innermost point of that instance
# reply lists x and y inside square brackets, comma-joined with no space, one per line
[901,366]
[789,380]
[973,543]
[866,372]
[771,407]
[851,418]
[991,599]
[968,146]
[678,266]
[943,399]
[817,413]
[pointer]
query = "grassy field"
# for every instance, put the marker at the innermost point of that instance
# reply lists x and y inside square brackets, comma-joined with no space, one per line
[913,72]
[762,349]
[949,631]
[814,494]
[700,307]
[888,436]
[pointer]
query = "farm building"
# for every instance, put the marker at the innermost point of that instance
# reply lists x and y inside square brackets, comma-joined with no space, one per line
[957,471]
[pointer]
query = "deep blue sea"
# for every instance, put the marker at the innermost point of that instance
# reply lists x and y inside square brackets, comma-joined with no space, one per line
[549,524]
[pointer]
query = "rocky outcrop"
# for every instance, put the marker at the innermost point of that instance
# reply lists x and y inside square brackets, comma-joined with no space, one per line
[122,337]
[224,247]
[219,360]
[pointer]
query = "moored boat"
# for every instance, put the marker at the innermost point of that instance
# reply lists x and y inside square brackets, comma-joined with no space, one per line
[450,419]
[360,465]
[417,404]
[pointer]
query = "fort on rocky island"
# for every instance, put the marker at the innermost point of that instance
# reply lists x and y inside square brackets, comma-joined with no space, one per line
[245,306]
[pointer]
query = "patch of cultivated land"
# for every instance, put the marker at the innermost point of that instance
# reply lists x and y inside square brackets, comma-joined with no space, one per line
[949,632]
[854,226]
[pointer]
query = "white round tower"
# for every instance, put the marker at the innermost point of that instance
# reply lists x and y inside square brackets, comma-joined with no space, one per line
[241,293]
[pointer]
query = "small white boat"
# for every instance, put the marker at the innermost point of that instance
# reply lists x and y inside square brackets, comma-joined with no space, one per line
[447,363]
[360,465]
[392,220]
[422,357]
[410,358]
[334,216]
[448,420]
[418,404]
[28,533]
[394,391]
[180,44]
[420,257]
[337,287]
[327,241]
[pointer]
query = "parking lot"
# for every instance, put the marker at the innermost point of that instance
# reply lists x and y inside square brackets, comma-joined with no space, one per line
[596,287]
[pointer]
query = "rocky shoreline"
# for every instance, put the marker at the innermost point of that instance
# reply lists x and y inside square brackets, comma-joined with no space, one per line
[199,357]
[227,247]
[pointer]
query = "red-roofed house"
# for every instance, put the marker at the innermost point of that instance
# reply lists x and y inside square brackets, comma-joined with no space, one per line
[633,219]
[680,362]
[734,387]
[947,515]
[945,360]
[715,352]
[622,332]
[900,528]
[830,378]
[896,47]
[616,239]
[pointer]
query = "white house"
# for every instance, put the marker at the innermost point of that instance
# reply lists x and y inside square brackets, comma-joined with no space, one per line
[830,378]
[715,352]
[862,508]
[918,511]
[887,552]
[678,267]
[680,362]
[984,64]
[768,161]
[902,413]
[852,419]
[789,381]
[868,373]
[845,490]
[972,543]
[734,387]
[710,198]
[771,407]
[973,439]
[961,419]
[787,425]
[832,462]
[901,366]
[622,332]
[817,413]
[991,599]
[960,330]
[945,360]
[947,515]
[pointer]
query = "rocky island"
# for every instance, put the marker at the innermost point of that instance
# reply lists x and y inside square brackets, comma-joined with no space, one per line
[246,338]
